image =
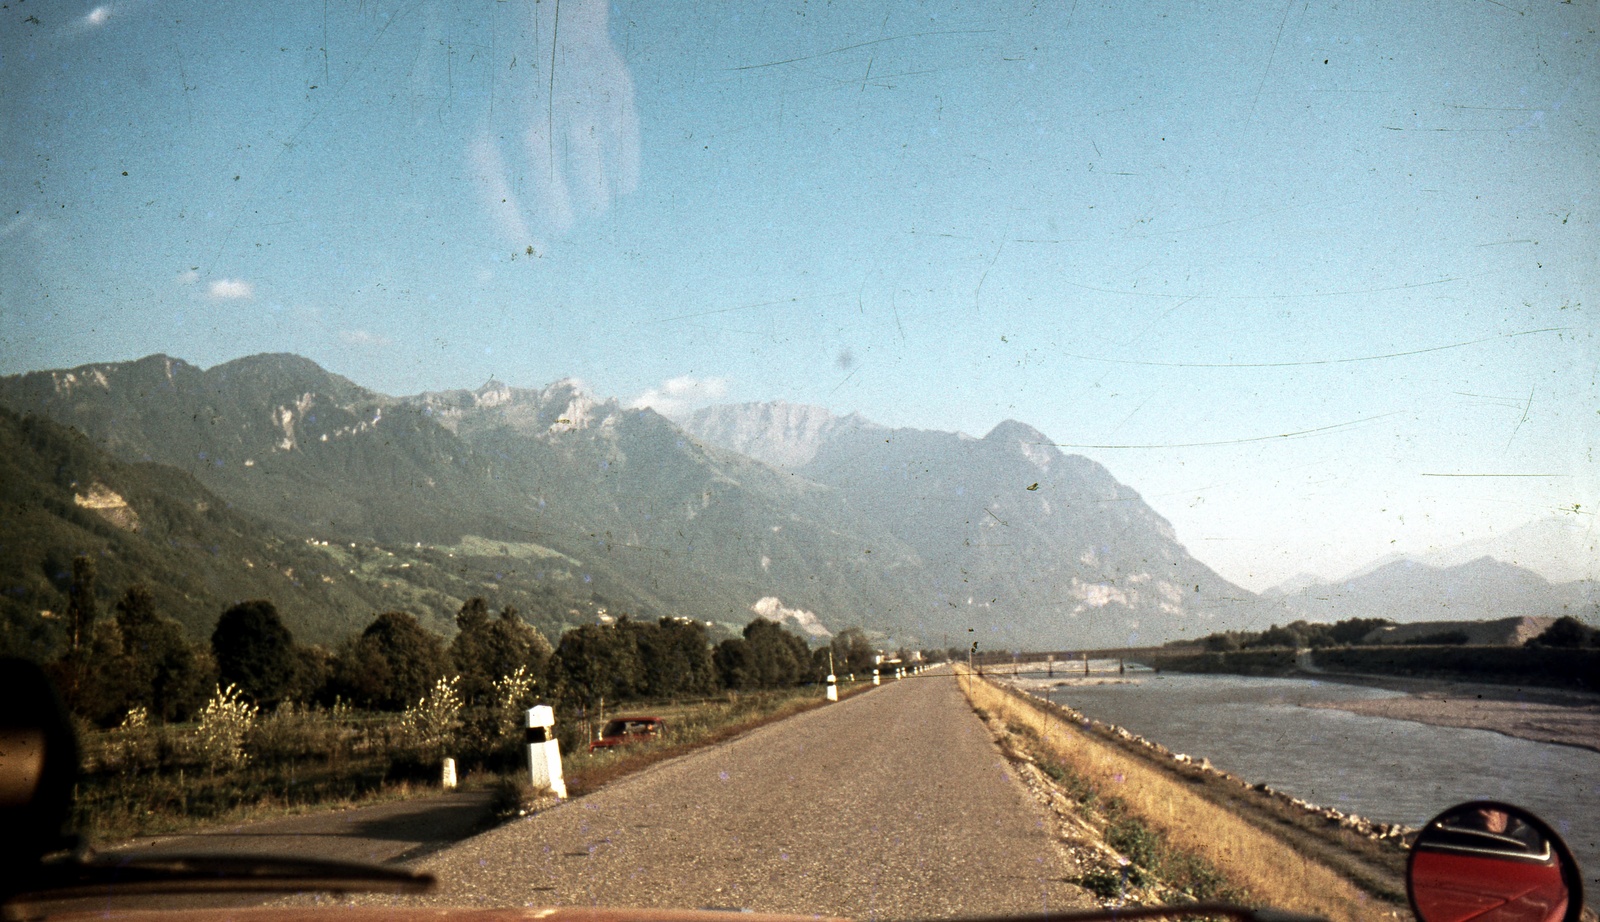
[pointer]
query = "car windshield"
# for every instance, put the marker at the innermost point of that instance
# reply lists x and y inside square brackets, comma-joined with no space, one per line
[397,394]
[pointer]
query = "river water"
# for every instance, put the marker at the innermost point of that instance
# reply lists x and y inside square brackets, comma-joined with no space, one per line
[1383,769]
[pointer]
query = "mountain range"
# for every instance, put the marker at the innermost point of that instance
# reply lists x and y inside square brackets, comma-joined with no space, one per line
[1405,590]
[573,507]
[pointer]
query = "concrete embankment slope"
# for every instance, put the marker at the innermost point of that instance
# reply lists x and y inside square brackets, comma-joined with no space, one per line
[893,804]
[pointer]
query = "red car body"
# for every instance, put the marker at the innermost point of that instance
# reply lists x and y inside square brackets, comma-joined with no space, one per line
[621,731]
[1450,886]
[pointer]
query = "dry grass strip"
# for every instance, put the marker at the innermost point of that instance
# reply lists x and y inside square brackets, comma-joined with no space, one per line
[1273,872]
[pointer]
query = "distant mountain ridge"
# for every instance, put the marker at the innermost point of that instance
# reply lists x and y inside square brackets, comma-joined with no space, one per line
[1008,526]
[781,434]
[919,535]
[1407,590]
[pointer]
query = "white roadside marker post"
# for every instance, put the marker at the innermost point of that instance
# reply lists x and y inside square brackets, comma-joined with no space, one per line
[833,687]
[876,679]
[447,778]
[544,751]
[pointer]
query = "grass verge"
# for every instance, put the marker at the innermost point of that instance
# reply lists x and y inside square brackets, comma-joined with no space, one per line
[1161,822]
[123,797]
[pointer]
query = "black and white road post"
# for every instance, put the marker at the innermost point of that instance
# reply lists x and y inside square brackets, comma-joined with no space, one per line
[544,752]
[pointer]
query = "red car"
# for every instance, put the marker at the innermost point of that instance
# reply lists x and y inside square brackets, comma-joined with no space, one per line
[620,731]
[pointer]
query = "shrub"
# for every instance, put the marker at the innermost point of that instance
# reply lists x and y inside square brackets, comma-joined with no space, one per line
[225,721]
[131,747]
[511,696]
[428,728]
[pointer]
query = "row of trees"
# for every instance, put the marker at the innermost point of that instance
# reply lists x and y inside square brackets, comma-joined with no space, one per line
[140,658]
[1296,634]
[1567,631]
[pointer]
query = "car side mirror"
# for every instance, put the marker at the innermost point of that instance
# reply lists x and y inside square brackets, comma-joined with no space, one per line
[1486,861]
[38,768]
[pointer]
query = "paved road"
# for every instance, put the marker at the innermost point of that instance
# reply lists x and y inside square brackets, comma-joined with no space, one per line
[378,834]
[893,804]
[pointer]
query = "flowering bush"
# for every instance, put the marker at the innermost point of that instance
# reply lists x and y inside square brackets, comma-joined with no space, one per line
[225,721]
[511,696]
[428,728]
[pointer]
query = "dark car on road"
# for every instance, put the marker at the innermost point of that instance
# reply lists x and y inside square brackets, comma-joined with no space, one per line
[620,731]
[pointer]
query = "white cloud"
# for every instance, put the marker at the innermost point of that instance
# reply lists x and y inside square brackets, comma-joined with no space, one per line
[187,277]
[773,609]
[677,396]
[97,16]
[231,289]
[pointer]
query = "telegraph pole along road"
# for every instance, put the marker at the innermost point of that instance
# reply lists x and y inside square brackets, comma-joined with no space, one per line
[891,804]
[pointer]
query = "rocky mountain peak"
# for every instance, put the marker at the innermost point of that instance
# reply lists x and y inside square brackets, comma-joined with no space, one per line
[492,394]
[778,433]
[1030,442]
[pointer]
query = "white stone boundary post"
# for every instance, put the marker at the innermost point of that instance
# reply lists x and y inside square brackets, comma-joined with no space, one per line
[833,687]
[447,776]
[876,679]
[544,752]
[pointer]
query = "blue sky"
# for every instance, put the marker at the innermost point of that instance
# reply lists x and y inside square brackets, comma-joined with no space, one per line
[1282,267]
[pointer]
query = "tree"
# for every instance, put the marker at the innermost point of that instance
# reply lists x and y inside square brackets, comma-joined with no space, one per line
[1568,632]
[852,652]
[674,657]
[255,651]
[1354,630]
[391,665]
[515,644]
[595,663]
[485,651]
[469,649]
[82,608]
[734,665]
[161,670]
[778,658]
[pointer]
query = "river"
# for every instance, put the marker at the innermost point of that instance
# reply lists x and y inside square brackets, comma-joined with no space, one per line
[1386,770]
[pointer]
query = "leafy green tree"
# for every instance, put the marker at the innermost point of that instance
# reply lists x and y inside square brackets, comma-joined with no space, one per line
[1274,636]
[674,657]
[469,649]
[160,668]
[1223,642]
[1354,630]
[1567,632]
[90,677]
[313,673]
[735,667]
[515,644]
[255,651]
[485,651]
[778,658]
[391,665]
[595,664]
[852,652]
